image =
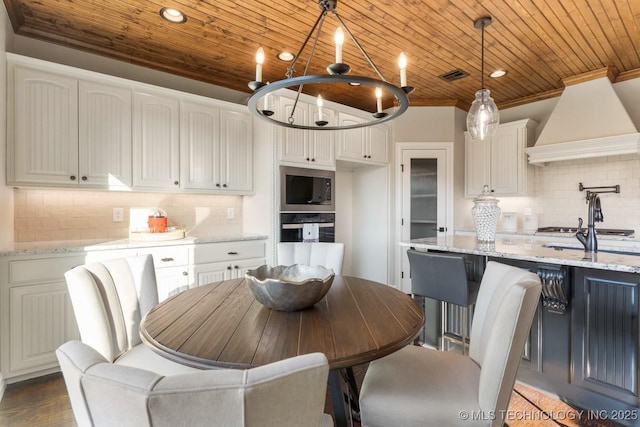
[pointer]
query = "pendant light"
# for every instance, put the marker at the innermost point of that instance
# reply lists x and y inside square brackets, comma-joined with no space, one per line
[483,117]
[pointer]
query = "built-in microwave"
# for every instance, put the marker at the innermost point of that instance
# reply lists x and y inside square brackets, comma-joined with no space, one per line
[303,189]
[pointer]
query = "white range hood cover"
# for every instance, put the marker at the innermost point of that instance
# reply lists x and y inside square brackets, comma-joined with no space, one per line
[589,120]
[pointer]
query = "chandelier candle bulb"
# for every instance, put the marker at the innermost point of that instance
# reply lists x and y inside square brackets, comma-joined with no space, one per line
[259,62]
[339,39]
[402,63]
[319,103]
[379,99]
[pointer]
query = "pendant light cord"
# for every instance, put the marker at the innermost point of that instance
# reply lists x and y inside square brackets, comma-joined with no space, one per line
[482,56]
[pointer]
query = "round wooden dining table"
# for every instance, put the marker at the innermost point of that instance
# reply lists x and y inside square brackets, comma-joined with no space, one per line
[221,325]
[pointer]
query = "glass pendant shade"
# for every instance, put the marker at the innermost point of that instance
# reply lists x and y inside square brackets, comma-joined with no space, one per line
[483,117]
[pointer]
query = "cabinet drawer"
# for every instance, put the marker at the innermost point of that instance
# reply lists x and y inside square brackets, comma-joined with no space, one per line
[172,256]
[228,251]
[41,270]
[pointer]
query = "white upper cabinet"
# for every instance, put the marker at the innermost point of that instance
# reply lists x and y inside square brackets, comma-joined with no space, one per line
[236,152]
[44,147]
[156,141]
[68,131]
[500,162]
[368,144]
[69,127]
[302,147]
[200,145]
[104,131]
[216,148]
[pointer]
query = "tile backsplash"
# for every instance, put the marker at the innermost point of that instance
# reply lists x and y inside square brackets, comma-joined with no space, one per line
[52,215]
[557,201]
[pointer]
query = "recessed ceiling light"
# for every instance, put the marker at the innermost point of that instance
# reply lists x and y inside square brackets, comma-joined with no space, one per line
[497,73]
[285,56]
[173,15]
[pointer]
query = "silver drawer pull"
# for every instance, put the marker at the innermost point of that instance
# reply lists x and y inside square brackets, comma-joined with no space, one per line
[168,259]
[232,253]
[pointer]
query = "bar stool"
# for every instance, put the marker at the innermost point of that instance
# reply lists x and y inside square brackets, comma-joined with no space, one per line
[443,277]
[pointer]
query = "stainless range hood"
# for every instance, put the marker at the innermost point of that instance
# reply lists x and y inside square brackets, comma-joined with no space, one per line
[589,120]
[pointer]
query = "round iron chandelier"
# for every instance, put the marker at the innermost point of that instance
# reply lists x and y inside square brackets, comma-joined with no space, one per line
[338,73]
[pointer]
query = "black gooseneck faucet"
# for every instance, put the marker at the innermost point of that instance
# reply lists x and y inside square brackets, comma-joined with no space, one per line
[588,239]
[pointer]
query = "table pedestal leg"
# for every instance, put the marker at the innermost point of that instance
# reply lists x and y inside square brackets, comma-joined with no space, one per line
[337,399]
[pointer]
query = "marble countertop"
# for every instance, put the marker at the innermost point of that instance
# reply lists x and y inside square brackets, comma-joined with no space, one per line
[64,246]
[536,249]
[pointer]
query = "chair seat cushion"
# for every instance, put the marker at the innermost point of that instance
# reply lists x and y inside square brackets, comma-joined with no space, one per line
[142,357]
[432,392]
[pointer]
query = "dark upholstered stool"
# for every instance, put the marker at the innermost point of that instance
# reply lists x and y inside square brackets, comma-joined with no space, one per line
[443,277]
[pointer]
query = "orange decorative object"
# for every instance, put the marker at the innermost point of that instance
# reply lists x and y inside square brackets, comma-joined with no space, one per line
[157,224]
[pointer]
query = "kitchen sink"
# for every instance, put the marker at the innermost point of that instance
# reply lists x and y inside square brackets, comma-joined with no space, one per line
[606,249]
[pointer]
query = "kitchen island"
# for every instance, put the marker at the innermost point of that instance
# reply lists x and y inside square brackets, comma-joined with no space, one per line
[585,338]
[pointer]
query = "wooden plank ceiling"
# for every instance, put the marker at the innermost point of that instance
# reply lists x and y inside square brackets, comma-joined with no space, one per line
[538,42]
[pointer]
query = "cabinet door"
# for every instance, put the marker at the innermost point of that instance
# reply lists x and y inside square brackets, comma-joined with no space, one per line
[605,340]
[236,151]
[104,135]
[212,272]
[41,319]
[477,166]
[156,141]
[239,268]
[44,147]
[200,146]
[507,159]
[322,142]
[377,145]
[171,281]
[294,145]
[351,141]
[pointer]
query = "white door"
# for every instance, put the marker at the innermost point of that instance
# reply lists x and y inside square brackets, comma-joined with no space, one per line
[424,201]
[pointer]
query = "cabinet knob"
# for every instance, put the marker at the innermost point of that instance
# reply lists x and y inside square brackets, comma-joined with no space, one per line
[308,159]
[369,156]
[84,178]
[175,183]
[313,160]
[218,185]
[224,185]
[72,177]
[365,156]
[236,267]
[185,273]
[228,267]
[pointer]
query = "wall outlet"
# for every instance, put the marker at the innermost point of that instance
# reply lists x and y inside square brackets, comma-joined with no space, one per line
[118,214]
[231,213]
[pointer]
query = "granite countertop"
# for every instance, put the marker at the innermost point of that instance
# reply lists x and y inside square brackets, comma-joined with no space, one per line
[534,249]
[64,246]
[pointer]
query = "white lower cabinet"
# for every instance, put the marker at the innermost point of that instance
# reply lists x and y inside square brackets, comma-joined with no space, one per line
[229,260]
[174,273]
[36,313]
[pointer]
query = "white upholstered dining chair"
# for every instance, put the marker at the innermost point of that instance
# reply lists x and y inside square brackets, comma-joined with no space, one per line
[285,393]
[329,255]
[416,386]
[109,300]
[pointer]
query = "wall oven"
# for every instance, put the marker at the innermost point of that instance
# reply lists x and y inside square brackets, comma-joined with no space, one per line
[307,227]
[304,189]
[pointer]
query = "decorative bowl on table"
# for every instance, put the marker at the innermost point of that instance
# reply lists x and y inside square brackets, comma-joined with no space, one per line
[289,288]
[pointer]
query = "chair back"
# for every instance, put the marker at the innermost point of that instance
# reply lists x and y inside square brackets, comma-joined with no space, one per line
[109,300]
[288,392]
[442,277]
[504,311]
[329,255]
